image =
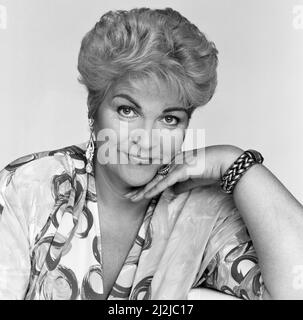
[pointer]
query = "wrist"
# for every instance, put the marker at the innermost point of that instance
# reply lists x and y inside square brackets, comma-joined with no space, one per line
[231,154]
[231,174]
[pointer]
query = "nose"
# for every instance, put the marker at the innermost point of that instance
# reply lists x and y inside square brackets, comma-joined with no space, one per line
[145,138]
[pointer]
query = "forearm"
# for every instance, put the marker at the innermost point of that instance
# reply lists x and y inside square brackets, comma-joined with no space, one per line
[274,219]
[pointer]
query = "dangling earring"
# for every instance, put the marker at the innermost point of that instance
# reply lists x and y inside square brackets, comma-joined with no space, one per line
[90,147]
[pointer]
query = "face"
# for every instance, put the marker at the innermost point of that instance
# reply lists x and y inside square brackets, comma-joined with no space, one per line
[139,118]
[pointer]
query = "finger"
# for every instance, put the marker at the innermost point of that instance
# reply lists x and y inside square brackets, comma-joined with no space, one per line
[148,187]
[177,175]
[139,195]
[131,193]
[143,189]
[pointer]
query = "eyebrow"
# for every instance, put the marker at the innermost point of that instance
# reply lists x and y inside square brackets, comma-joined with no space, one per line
[132,100]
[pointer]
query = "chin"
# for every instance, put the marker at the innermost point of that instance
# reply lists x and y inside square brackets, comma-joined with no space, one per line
[138,175]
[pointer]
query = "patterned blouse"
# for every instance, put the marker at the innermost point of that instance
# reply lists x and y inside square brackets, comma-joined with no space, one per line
[51,248]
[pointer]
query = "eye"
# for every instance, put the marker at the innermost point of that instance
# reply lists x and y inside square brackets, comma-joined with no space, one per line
[171,120]
[126,111]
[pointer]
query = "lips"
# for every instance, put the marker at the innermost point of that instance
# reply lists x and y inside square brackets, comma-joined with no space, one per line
[135,159]
[140,160]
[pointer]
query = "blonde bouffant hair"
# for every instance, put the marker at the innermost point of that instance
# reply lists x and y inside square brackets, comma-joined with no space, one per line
[145,42]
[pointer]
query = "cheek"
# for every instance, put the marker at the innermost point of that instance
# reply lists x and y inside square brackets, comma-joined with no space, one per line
[107,124]
[107,136]
[123,129]
[106,120]
[172,143]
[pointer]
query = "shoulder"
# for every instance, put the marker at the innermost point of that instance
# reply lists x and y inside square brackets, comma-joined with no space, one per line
[32,181]
[38,166]
[32,185]
[76,151]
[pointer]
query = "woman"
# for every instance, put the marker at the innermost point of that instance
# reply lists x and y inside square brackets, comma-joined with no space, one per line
[120,218]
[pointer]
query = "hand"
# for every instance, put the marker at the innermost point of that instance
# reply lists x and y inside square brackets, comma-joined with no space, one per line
[190,169]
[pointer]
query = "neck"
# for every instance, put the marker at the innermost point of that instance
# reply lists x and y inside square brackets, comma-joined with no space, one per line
[110,191]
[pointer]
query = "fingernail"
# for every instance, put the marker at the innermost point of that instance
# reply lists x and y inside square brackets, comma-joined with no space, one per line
[135,197]
[130,194]
[127,195]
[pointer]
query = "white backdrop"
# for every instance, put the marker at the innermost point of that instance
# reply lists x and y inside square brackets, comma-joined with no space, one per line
[258,102]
